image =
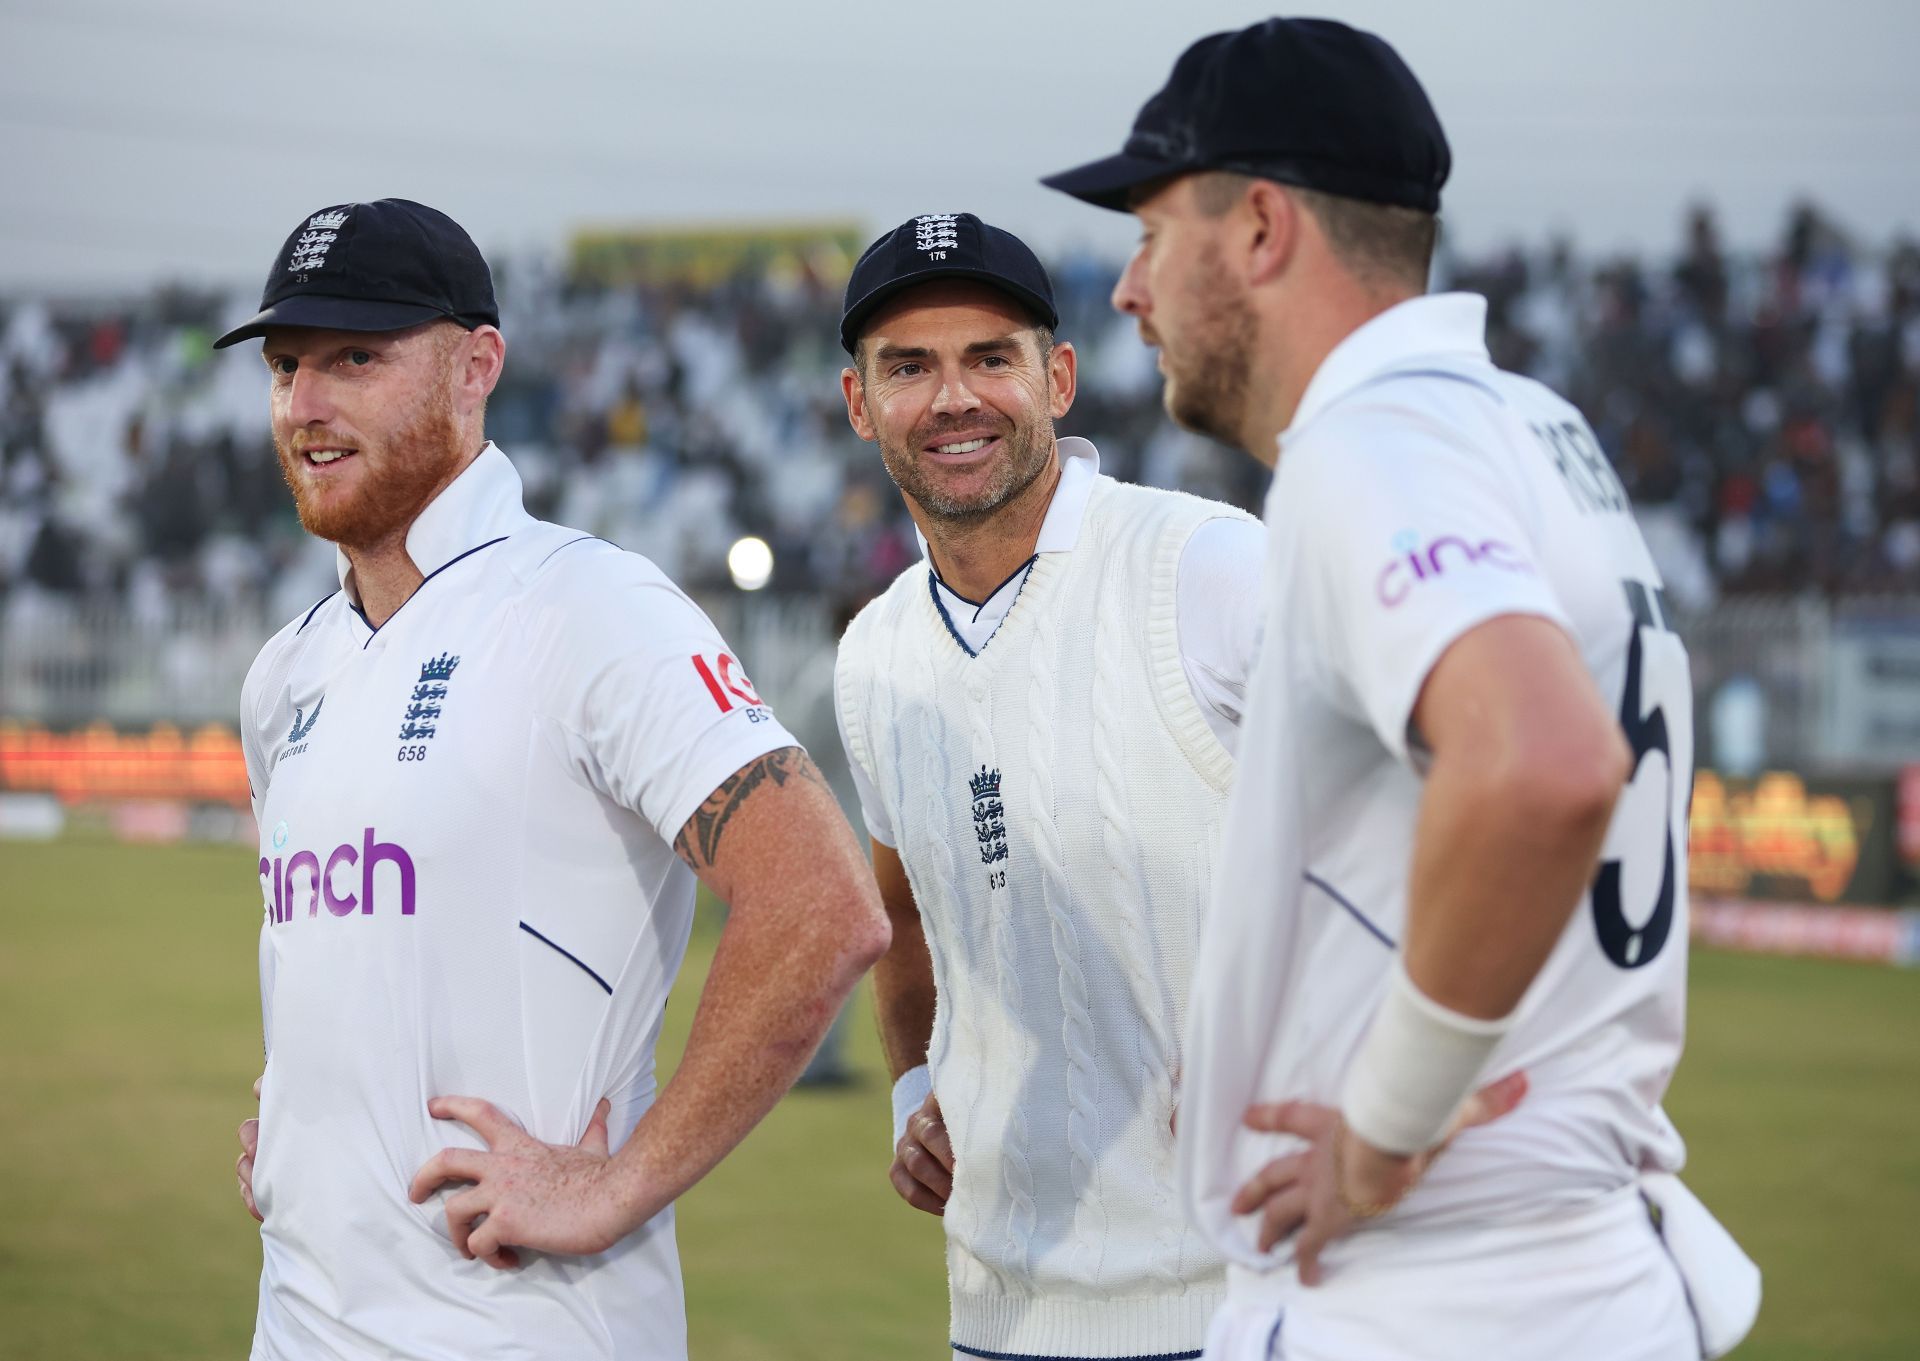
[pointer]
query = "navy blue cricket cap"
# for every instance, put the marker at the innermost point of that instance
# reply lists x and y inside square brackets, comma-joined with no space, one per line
[380,266]
[1307,102]
[944,246]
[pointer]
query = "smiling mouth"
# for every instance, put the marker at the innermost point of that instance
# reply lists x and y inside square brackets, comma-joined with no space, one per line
[320,458]
[960,451]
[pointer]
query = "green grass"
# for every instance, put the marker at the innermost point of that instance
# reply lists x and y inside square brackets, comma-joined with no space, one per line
[129,1037]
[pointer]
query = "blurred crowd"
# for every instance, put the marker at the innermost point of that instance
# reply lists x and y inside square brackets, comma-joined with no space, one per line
[1764,413]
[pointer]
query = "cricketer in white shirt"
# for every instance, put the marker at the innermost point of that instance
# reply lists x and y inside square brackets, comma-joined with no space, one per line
[469,886]
[1049,765]
[1422,492]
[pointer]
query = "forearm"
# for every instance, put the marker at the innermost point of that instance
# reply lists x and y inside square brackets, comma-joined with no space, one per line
[904,996]
[804,922]
[1500,861]
[769,998]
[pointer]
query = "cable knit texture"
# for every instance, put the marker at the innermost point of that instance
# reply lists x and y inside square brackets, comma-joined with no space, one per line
[1054,801]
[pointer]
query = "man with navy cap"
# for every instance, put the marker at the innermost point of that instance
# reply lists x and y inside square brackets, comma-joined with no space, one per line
[487,772]
[1040,720]
[1450,911]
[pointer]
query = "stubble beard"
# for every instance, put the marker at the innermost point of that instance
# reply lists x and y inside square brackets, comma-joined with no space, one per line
[1027,449]
[415,462]
[1210,375]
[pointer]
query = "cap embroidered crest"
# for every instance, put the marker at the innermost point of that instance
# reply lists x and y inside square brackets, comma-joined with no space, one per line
[941,246]
[936,234]
[310,247]
[384,265]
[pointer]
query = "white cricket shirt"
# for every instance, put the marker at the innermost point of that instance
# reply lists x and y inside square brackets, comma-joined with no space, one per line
[1217,610]
[1057,796]
[1421,492]
[466,825]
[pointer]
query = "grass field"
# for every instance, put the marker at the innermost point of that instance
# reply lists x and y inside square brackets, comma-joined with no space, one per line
[129,1037]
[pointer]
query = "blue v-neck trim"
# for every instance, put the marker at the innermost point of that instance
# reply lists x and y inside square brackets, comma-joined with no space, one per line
[374,628]
[933,589]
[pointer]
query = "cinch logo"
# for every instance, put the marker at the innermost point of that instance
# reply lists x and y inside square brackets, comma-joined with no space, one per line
[1412,564]
[282,878]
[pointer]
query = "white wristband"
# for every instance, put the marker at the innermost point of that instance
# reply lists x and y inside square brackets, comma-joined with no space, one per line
[910,1093]
[1419,1061]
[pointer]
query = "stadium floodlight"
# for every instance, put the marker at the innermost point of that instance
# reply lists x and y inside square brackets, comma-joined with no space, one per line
[750,561]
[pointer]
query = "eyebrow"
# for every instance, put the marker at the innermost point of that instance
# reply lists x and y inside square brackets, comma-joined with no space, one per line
[889,353]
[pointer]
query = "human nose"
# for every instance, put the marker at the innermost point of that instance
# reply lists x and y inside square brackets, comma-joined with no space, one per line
[307,399]
[1130,293]
[955,396]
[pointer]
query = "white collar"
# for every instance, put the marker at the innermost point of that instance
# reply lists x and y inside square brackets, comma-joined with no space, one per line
[1435,326]
[1060,530]
[482,504]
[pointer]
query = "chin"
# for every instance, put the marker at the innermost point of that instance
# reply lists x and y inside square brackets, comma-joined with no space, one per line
[1201,420]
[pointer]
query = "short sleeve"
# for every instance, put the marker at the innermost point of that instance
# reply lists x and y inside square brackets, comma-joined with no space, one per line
[659,707]
[872,812]
[250,741]
[1409,538]
[1218,607]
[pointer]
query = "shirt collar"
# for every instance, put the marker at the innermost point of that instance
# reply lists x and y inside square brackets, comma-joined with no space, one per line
[1060,530]
[1435,326]
[482,503]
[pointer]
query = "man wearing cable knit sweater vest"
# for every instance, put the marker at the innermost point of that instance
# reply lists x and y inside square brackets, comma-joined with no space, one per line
[1040,720]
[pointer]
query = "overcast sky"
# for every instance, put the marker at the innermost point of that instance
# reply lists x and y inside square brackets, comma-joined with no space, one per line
[151,139]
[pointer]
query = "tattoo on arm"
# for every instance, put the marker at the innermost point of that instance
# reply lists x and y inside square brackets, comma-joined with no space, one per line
[699,841]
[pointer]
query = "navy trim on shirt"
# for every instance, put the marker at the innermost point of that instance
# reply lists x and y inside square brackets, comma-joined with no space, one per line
[1433,373]
[422,586]
[584,538]
[315,610]
[933,589]
[1029,1356]
[570,955]
[934,583]
[979,605]
[1358,915]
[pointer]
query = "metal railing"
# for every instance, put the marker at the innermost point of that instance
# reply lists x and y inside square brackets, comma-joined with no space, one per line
[1801,683]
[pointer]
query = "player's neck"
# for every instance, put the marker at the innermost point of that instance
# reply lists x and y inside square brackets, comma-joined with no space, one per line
[383,577]
[1296,354]
[975,557]
[384,573]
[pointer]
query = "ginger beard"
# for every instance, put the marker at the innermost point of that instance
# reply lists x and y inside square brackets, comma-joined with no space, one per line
[1024,450]
[404,471]
[1209,367]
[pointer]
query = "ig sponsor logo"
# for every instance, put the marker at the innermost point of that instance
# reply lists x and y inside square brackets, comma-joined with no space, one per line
[1414,562]
[729,686]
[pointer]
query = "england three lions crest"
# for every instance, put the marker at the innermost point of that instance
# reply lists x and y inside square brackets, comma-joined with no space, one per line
[989,816]
[420,720]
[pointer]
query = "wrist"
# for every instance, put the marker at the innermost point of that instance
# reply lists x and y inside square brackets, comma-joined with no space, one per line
[910,1093]
[1361,1195]
[1418,1062]
[638,1187]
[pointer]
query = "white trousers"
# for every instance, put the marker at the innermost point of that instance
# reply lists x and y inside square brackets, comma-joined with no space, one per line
[1596,1285]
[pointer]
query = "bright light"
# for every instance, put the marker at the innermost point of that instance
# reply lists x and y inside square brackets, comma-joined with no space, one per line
[751,563]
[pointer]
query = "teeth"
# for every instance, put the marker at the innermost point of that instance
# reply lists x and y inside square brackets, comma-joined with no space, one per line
[327,455]
[966,448]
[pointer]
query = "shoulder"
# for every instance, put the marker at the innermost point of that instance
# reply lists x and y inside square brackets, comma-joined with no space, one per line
[1394,440]
[280,653]
[1158,530]
[885,609]
[567,575]
[1130,501]
[1227,548]
[587,612]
